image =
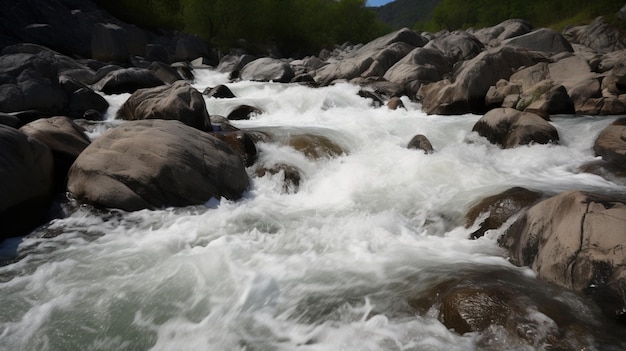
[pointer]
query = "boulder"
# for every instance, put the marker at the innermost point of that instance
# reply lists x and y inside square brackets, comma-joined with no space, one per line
[418,67]
[164,72]
[374,58]
[395,103]
[545,99]
[421,142]
[458,45]
[510,128]
[543,39]
[108,43]
[499,208]
[467,89]
[64,138]
[241,143]
[576,240]
[243,112]
[501,92]
[267,69]
[377,101]
[124,168]
[26,178]
[30,82]
[598,35]
[127,80]
[493,36]
[219,92]
[179,101]
[611,143]
[234,63]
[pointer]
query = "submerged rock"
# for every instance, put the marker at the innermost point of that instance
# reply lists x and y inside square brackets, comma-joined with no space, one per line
[421,142]
[125,168]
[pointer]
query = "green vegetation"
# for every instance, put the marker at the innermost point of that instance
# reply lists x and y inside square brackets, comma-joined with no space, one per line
[556,14]
[295,27]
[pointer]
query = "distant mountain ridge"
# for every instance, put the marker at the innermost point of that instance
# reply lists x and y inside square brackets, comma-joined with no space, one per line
[405,13]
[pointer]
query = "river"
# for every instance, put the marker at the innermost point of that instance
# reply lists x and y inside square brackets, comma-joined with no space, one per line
[331,265]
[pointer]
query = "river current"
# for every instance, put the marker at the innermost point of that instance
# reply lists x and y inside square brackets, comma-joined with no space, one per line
[331,265]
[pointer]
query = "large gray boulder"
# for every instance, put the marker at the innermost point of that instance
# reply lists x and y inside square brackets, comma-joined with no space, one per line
[125,168]
[372,59]
[611,144]
[267,69]
[493,36]
[510,128]
[598,35]
[575,240]
[458,45]
[30,82]
[544,40]
[179,101]
[64,138]
[467,89]
[127,80]
[26,168]
[420,66]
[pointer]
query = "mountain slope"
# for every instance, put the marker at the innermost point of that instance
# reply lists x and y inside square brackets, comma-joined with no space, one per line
[404,13]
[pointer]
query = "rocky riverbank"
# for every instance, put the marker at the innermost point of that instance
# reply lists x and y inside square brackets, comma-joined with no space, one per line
[60,57]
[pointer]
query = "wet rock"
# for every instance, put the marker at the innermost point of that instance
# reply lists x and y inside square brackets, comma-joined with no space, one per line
[65,139]
[81,98]
[377,101]
[221,123]
[543,39]
[421,142]
[267,69]
[179,101]
[243,112]
[466,91]
[575,240]
[510,128]
[290,176]
[126,169]
[242,144]
[219,92]
[26,178]
[611,144]
[315,146]
[395,103]
[458,45]
[499,208]
[127,80]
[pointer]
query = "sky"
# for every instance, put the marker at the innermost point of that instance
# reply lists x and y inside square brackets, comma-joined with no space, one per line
[377,2]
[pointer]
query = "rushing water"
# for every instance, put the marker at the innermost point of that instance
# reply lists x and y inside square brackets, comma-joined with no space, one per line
[331,266]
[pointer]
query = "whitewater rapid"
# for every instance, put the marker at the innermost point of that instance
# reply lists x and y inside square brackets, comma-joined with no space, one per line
[325,267]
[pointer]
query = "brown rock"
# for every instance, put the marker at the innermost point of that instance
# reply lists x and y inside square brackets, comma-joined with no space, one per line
[611,143]
[421,142]
[510,128]
[126,169]
[576,240]
[179,101]
[499,208]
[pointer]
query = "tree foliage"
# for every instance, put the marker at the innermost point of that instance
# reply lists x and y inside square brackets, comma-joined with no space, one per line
[458,14]
[295,27]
